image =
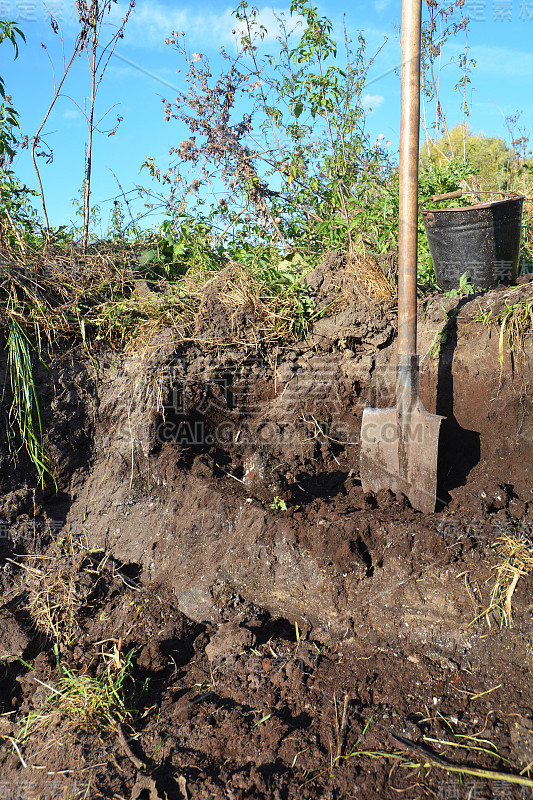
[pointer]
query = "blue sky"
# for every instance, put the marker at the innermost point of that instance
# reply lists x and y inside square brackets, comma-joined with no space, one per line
[145,70]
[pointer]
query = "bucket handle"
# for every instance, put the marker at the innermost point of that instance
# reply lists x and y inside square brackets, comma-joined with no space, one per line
[448,196]
[459,193]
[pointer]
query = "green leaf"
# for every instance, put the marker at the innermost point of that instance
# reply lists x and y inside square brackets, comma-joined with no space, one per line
[148,257]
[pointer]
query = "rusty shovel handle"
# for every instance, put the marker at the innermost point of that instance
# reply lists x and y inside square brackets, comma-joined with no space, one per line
[447,196]
[409,136]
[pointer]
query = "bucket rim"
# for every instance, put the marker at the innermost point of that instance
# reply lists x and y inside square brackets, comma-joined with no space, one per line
[509,197]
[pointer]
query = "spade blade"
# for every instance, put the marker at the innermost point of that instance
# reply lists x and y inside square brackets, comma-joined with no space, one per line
[401,455]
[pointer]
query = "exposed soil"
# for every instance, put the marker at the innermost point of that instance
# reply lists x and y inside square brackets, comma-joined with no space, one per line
[289,635]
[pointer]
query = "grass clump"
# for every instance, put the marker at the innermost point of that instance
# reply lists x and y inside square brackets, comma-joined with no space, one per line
[517,321]
[515,554]
[514,322]
[23,414]
[98,701]
[63,589]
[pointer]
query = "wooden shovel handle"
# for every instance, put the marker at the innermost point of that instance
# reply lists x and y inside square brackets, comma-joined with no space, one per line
[408,175]
[448,196]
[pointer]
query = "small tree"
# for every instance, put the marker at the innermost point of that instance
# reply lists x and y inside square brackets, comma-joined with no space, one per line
[9,118]
[297,159]
[16,211]
[445,20]
[92,16]
[36,139]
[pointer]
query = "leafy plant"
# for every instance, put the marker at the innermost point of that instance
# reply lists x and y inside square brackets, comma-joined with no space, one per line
[119,231]
[489,157]
[94,217]
[278,504]
[465,288]
[285,281]
[17,216]
[185,243]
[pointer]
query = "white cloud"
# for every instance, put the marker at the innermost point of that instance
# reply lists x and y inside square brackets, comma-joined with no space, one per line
[269,19]
[372,101]
[153,21]
[72,114]
[382,5]
[150,22]
[502,61]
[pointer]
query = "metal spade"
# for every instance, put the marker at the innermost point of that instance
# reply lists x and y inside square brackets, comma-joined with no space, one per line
[399,445]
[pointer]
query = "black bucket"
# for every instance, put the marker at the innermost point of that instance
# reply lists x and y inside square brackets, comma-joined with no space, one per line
[482,240]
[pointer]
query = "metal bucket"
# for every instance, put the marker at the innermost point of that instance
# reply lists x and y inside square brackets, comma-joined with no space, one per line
[482,240]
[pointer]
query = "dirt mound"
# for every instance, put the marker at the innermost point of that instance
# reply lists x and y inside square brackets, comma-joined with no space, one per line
[226,312]
[348,279]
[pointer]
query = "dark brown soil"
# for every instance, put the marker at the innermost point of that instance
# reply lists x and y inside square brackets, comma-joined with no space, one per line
[288,635]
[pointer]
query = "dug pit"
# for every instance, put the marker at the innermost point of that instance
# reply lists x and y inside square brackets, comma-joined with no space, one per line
[226,478]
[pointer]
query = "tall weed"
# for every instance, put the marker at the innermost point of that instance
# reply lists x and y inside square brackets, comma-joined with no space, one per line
[23,419]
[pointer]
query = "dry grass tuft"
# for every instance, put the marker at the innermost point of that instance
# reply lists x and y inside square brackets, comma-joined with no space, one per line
[369,281]
[61,293]
[48,289]
[515,320]
[516,561]
[96,298]
[61,589]
[243,306]
[268,311]
[362,280]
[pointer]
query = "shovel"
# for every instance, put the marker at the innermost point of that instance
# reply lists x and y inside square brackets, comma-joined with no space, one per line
[399,445]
